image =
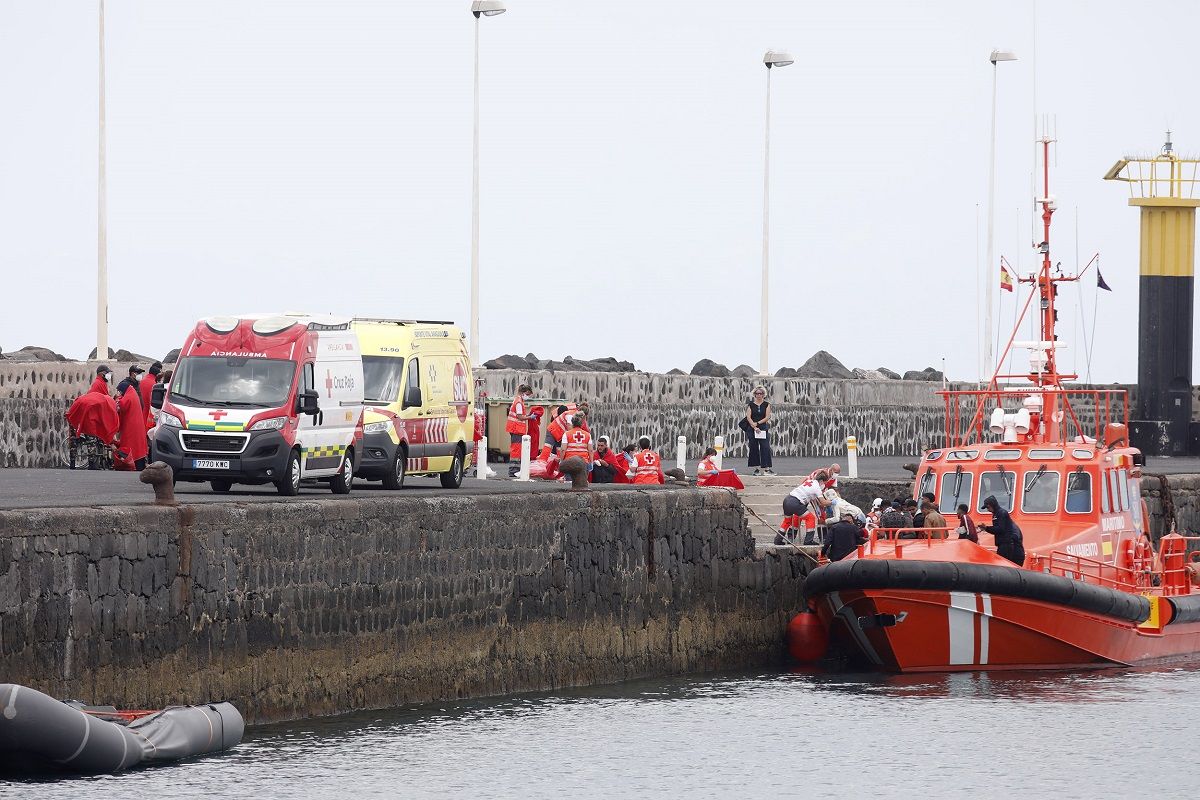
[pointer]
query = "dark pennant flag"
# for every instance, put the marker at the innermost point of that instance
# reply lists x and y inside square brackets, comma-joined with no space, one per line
[1100,281]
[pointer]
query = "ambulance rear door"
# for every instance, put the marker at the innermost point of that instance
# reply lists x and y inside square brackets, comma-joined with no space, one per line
[338,376]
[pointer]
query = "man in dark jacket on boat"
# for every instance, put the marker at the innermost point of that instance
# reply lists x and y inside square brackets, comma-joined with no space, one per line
[842,538]
[1009,542]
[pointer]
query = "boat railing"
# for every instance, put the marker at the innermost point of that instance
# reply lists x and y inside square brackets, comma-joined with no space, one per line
[896,539]
[1086,412]
[1088,570]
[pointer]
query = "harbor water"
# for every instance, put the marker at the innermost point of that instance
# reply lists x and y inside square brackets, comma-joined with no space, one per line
[1111,733]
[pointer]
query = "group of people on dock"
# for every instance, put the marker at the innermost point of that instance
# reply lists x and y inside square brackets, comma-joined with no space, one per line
[118,418]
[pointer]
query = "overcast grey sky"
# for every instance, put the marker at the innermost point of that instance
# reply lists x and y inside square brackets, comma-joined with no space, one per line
[316,155]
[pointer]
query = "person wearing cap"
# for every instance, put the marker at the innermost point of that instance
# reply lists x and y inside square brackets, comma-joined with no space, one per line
[132,444]
[146,389]
[94,413]
[1009,541]
[842,538]
[103,381]
[875,513]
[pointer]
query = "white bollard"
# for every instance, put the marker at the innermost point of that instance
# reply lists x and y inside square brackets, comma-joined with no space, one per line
[481,467]
[523,472]
[719,446]
[681,453]
[851,457]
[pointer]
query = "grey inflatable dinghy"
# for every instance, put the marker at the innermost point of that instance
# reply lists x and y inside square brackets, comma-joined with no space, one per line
[94,739]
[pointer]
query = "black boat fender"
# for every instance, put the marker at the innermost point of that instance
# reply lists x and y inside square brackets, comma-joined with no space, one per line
[35,723]
[952,576]
[1185,608]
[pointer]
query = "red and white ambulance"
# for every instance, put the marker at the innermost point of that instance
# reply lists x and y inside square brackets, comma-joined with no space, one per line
[264,399]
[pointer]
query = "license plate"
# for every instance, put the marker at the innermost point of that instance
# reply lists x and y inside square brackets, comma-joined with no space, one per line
[209,463]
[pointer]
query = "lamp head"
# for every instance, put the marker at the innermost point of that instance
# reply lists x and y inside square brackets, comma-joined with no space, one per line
[1002,55]
[778,58]
[487,8]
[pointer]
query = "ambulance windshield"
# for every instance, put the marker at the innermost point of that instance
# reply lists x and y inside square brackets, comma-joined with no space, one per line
[224,381]
[382,376]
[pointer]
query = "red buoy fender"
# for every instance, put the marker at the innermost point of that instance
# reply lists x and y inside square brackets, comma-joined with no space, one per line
[807,638]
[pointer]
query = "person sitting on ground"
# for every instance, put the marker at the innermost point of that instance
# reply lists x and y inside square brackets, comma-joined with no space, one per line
[628,454]
[798,509]
[647,464]
[842,538]
[607,466]
[1009,541]
[966,525]
[934,523]
[707,473]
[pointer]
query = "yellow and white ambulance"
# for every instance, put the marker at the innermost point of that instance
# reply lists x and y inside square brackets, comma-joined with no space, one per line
[420,398]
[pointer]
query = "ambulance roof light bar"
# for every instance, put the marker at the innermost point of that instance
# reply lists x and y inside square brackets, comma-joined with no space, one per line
[387,321]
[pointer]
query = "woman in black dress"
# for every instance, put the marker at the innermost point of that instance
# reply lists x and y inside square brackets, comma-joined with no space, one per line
[757,426]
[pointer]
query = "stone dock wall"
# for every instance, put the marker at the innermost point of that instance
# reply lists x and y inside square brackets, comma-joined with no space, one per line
[304,608]
[813,417]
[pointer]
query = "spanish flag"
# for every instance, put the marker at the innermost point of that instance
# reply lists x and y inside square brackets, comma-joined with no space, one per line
[1006,281]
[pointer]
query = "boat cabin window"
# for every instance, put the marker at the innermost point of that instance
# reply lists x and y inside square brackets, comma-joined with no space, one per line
[1002,455]
[1079,493]
[934,455]
[1045,455]
[928,482]
[956,488]
[1123,482]
[1105,504]
[1040,492]
[999,485]
[1083,454]
[1114,491]
[1135,505]
[962,455]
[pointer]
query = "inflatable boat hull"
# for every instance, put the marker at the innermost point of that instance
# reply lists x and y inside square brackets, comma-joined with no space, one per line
[941,616]
[36,726]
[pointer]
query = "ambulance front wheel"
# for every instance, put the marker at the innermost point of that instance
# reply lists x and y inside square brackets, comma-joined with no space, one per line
[453,478]
[289,484]
[221,485]
[344,479]
[394,478]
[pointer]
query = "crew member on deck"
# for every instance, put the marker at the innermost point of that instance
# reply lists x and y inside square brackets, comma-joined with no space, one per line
[1009,542]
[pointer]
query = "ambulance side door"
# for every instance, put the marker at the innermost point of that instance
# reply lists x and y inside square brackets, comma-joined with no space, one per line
[309,429]
[412,409]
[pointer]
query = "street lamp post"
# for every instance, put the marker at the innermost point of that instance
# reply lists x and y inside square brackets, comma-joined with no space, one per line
[989,268]
[773,58]
[101,218]
[479,8]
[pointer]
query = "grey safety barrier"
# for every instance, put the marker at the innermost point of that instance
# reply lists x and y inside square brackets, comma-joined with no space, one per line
[35,723]
[951,576]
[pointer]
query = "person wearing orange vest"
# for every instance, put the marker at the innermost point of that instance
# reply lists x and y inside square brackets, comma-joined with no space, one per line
[578,442]
[518,425]
[561,423]
[708,474]
[647,465]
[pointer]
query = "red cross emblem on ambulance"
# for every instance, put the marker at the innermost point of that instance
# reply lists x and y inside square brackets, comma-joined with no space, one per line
[329,382]
[216,415]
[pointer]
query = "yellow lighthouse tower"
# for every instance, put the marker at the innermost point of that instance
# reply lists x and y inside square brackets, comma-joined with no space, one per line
[1163,187]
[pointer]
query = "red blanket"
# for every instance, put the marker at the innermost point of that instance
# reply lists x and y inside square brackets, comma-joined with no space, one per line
[94,414]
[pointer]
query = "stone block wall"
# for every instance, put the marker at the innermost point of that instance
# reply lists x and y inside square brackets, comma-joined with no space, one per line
[812,417]
[312,607]
[33,399]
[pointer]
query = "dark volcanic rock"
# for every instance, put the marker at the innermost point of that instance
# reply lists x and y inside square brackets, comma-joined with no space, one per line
[506,362]
[744,371]
[33,353]
[927,374]
[786,372]
[171,357]
[889,374]
[868,374]
[677,371]
[607,364]
[123,356]
[708,368]
[531,360]
[824,365]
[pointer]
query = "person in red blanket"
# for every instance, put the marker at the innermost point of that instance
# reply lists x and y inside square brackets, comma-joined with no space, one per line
[707,473]
[146,387]
[607,466]
[94,413]
[131,440]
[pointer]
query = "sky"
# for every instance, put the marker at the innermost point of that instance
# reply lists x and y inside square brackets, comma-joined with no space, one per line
[316,155]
